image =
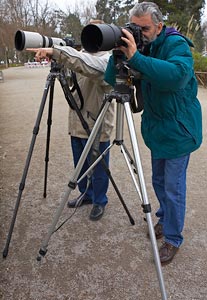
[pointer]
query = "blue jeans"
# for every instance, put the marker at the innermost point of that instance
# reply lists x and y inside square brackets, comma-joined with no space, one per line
[169,182]
[99,184]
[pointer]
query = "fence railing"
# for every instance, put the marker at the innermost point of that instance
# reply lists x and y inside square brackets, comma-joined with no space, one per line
[202,78]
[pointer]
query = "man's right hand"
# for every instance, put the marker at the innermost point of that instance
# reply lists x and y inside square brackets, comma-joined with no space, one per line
[131,48]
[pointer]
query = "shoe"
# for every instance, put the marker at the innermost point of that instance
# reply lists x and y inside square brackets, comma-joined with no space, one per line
[167,252]
[158,228]
[74,203]
[96,212]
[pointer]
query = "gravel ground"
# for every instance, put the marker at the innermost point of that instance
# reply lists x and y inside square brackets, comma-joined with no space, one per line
[105,260]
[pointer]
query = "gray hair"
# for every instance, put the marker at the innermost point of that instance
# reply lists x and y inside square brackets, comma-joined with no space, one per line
[146,8]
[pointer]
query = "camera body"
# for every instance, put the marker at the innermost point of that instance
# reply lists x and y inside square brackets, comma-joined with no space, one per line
[104,37]
[136,31]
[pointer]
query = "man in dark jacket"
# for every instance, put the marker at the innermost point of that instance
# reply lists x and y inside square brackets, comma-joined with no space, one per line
[171,121]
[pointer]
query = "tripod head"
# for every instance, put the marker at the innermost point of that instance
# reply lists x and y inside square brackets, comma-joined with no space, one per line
[69,83]
[122,76]
[127,82]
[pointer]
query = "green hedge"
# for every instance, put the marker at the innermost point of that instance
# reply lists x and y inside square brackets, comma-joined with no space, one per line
[200,62]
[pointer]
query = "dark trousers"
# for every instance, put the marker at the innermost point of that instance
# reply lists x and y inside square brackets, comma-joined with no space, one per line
[169,182]
[99,184]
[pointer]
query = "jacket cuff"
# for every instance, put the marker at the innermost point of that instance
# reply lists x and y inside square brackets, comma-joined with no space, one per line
[134,59]
[58,55]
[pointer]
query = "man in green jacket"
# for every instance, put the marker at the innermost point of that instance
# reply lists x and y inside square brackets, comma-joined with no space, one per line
[171,121]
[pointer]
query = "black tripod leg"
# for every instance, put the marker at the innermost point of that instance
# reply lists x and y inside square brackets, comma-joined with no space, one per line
[118,193]
[26,168]
[49,123]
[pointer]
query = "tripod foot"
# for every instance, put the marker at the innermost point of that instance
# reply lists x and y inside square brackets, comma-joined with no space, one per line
[5,253]
[42,253]
[131,220]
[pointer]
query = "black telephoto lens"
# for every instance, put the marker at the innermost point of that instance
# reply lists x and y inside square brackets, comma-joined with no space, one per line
[101,37]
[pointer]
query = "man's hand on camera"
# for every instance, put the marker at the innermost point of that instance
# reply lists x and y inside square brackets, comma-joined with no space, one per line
[131,45]
[41,53]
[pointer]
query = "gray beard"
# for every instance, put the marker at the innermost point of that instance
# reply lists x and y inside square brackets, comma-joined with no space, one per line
[146,41]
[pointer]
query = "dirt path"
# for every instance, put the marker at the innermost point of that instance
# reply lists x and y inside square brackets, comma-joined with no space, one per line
[105,260]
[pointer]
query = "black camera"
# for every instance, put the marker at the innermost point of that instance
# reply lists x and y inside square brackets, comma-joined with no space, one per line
[27,39]
[104,37]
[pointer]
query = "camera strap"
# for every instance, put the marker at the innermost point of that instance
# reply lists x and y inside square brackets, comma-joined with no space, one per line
[137,101]
[77,88]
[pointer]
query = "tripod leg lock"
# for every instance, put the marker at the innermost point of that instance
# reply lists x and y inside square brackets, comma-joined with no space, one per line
[36,130]
[72,185]
[118,142]
[21,186]
[146,208]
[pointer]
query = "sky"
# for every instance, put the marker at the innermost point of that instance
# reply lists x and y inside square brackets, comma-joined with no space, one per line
[71,4]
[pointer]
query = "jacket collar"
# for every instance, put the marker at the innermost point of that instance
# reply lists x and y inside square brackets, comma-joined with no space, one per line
[160,38]
[167,31]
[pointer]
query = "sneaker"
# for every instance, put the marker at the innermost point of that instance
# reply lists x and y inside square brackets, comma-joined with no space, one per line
[96,212]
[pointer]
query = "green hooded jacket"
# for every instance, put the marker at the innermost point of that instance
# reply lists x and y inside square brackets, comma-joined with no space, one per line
[172,118]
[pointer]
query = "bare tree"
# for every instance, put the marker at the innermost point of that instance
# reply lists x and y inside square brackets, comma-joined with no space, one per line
[204,29]
[29,15]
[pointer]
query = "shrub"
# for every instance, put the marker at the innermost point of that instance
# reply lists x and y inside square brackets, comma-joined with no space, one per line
[200,62]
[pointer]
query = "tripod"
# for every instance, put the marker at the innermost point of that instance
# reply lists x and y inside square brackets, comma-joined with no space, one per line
[122,95]
[55,72]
